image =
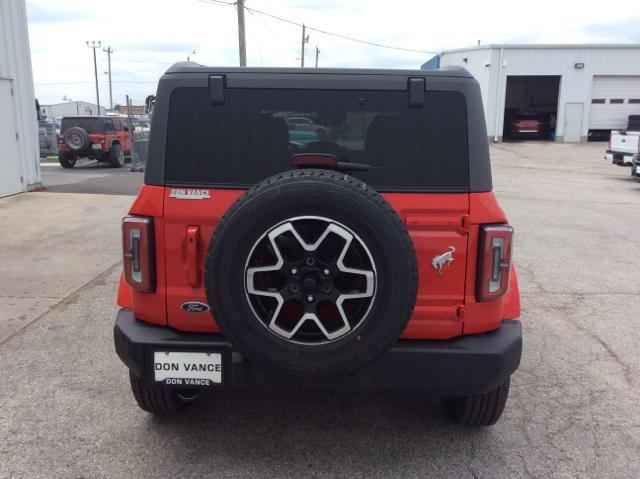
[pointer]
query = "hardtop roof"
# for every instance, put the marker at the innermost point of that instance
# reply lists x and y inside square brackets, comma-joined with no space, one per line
[192,67]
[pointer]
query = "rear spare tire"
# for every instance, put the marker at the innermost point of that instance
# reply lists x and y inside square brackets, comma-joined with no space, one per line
[76,138]
[311,273]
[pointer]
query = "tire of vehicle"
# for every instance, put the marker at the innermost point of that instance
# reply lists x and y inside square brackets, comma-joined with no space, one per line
[66,160]
[334,198]
[161,402]
[479,409]
[116,156]
[76,138]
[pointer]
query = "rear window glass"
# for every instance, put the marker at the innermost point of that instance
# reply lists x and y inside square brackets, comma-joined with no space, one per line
[256,131]
[89,124]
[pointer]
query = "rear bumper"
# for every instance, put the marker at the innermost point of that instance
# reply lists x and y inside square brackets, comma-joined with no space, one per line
[89,153]
[619,158]
[463,365]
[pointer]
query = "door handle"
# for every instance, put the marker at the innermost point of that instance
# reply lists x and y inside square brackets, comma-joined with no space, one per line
[193,246]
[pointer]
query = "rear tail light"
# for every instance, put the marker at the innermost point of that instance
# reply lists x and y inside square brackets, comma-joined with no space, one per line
[138,253]
[494,261]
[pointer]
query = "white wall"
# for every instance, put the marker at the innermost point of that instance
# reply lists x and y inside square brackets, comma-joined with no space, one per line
[15,65]
[575,84]
[72,108]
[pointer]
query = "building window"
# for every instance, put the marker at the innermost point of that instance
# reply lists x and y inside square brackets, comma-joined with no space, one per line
[635,101]
[598,101]
[616,101]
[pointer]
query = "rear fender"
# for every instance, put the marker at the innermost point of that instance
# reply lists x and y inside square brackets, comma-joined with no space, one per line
[511,304]
[150,307]
[124,294]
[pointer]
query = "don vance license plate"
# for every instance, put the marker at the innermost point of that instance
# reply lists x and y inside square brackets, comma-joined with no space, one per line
[187,368]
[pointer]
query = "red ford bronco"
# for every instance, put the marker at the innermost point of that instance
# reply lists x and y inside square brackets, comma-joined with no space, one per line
[102,138]
[374,256]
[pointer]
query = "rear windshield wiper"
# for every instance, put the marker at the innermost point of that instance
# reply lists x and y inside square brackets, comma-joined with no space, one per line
[329,162]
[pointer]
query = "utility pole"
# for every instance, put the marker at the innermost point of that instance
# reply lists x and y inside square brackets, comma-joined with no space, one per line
[242,44]
[305,39]
[109,51]
[130,122]
[93,45]
[317,53]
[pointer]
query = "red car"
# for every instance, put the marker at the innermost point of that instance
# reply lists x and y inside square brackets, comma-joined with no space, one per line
[527,125]
[102,138]
[377,260]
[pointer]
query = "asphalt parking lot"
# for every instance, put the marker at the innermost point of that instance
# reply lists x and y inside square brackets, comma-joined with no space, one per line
[91,177]
[66,409]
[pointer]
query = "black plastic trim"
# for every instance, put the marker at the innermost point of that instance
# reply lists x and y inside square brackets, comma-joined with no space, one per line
[463,365]
[216,89]
[416,92]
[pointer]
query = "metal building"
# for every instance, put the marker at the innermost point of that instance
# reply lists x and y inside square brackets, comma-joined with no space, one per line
[72,108]
[587,90]
[19,161]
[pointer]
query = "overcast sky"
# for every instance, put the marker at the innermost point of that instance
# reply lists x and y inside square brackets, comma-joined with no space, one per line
[148,36]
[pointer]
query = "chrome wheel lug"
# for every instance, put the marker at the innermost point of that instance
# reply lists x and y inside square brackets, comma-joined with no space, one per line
[294,271]
[310,298]
[326,272]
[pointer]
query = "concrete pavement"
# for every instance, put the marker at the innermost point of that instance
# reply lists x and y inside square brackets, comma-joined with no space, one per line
[66,409]
[51,245]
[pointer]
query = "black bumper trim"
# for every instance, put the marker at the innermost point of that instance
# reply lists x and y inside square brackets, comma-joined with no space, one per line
[463,365]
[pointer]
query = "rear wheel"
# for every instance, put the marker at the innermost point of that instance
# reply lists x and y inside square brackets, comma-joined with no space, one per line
[116,156]
[158,401]
[66,160]
[478,409]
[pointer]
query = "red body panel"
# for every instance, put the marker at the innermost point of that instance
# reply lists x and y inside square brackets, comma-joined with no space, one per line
[445,306]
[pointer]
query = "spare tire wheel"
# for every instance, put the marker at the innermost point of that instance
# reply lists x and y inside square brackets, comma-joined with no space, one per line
[76,138]
[311,273]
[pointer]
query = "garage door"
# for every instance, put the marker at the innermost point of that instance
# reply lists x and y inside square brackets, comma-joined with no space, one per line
[10,181]
[613,99]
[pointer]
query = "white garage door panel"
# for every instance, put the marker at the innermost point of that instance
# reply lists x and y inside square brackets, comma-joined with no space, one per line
[10,182]
[608,116]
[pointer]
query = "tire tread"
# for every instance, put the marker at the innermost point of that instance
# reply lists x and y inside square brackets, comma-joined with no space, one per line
[482,409]
[157,401]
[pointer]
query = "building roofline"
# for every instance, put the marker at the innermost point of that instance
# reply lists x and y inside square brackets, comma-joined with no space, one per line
[70,103]
[519,46]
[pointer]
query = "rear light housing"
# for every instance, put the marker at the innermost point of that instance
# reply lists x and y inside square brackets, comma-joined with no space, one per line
[494,262]
[138,253]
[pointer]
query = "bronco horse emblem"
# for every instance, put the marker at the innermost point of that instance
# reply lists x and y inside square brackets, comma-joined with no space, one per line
[443,259]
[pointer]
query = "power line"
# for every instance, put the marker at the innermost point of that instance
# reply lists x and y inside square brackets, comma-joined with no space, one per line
[100,81]
[219,2]
[333,34]
[319,30]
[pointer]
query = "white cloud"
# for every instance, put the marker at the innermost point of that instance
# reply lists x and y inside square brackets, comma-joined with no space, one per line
[148,36]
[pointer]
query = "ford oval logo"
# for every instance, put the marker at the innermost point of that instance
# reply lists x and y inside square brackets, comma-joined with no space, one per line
[195,307]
